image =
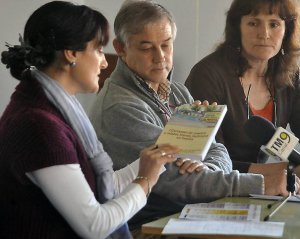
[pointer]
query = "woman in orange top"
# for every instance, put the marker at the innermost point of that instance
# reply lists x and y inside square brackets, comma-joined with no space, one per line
[254,72]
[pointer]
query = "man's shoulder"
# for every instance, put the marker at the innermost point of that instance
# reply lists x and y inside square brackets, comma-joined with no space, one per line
[115,93]
[116,96]
[181,92]
[180,86]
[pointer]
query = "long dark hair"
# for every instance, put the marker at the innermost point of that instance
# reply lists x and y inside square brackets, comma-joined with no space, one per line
[281,68]
[55,26]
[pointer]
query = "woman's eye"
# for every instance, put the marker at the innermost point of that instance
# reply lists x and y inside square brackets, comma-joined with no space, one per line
[252,24]
[274,24]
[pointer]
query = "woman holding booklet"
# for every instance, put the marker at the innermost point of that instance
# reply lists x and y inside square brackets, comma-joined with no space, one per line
[56,180]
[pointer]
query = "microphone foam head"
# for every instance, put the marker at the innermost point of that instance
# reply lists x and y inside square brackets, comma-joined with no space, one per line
[259,129]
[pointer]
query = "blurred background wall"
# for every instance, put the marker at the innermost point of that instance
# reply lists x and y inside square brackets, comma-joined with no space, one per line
[200,26]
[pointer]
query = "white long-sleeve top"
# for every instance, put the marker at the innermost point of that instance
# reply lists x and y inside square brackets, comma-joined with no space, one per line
[67,189]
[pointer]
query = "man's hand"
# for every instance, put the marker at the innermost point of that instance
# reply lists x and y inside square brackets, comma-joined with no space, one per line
[205,103]
[189,166]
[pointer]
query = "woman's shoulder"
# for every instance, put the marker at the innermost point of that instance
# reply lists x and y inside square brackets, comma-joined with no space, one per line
[218,66]
[219,57]
[36,133]
[43,123]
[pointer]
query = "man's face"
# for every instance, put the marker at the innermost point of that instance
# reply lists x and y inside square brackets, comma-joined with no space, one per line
[150,53]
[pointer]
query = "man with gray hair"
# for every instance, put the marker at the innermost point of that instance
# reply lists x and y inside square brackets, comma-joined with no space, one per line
[136,103]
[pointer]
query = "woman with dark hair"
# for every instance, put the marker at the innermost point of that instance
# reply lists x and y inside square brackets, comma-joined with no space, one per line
[56,181]
[254,72]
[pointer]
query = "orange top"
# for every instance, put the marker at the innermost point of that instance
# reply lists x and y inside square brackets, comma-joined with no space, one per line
[266,112]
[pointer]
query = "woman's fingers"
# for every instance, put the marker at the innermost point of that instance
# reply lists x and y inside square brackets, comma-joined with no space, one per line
[153,158]
[163,152]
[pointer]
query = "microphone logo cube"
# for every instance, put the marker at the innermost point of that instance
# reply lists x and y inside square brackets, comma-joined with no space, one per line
[282,143]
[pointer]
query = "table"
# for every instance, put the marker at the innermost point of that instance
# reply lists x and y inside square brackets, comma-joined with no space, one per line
[289,213]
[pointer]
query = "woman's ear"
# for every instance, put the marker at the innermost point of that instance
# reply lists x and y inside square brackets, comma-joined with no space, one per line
[70,56]
[119,47]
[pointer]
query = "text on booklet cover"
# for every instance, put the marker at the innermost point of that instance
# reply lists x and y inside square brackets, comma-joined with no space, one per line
[193,128]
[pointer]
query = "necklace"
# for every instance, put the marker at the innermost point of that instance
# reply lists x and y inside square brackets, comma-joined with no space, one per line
[247,88]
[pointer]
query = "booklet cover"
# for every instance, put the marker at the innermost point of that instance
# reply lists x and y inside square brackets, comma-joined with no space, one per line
[193,128]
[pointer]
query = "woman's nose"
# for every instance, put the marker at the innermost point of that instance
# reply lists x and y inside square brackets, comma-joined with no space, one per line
[264,32]
[103,63]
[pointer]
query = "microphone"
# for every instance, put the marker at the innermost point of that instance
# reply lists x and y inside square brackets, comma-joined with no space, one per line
[278,143]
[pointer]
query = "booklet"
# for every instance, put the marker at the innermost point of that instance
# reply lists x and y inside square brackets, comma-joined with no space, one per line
[193,128]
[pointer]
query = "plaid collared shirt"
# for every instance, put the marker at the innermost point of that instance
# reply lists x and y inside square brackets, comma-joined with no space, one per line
[163,91]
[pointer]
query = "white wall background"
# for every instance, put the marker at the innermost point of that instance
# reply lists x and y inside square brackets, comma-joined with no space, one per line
[200,26]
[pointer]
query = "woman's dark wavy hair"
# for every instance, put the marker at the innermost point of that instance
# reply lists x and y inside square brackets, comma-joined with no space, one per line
[55,26]
[281,68]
